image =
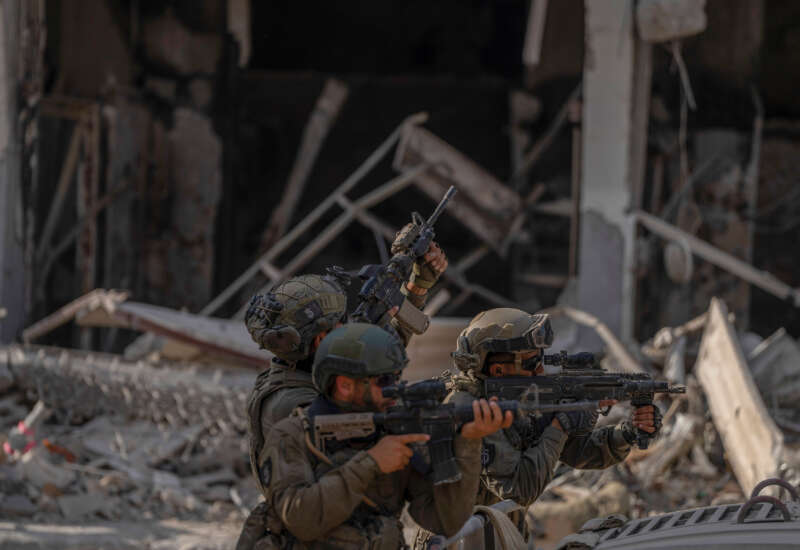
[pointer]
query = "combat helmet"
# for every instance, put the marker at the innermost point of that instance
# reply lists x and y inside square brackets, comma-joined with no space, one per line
[500,330]
[357,350]
[286,319]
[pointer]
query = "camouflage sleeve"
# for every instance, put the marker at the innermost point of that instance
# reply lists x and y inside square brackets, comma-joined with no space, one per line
[307,507]
[521,475]
[601,448]
[444,508]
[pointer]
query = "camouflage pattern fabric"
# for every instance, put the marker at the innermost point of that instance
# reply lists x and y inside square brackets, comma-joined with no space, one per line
[321,506]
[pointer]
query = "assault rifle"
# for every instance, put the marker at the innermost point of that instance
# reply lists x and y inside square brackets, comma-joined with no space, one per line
[422,411]
[382,282]
[578,382]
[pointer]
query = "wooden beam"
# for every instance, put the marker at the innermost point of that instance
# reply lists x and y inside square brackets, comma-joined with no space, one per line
[66,240]
[547,139]
[68,312]
[319,124]
[762,279]
[544,279]
[340,224]
[752,441]
[534,35]
[484,205]
[313,216]
[64,182]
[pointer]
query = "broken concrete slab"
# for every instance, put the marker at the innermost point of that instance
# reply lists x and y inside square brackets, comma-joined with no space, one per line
[119,535]
[775,364]
[17,505]
[187,336]
[78,507]
[36,468]
[752,441]
[87,384]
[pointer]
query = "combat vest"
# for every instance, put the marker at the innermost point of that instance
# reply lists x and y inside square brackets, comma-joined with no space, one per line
[367,528]
[280,375]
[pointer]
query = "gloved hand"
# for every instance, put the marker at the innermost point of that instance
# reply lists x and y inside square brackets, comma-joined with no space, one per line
[429,267]
[645,419]
[577,423]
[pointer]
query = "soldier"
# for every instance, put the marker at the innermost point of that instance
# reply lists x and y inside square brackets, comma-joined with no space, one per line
[519,462]
[351,496]
[290,321]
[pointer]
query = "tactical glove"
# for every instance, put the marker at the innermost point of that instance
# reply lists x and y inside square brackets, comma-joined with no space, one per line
[423,274]
[631,432]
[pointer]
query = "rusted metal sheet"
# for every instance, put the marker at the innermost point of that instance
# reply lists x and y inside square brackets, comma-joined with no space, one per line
[484,205]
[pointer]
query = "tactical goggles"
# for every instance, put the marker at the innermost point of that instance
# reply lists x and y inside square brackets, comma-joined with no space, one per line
[385,380]
[532,339]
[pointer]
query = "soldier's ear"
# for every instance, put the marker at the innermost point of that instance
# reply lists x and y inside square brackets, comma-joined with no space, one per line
[343,388]
[317,339]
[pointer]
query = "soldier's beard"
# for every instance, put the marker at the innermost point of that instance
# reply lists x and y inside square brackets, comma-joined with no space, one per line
[364,404]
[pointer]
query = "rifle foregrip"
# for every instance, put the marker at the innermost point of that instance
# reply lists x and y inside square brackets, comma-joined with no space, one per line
[443,464]
[642,437]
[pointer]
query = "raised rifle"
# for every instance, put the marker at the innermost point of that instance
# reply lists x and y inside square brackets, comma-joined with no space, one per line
[422,411]
[581,381]
[381,290]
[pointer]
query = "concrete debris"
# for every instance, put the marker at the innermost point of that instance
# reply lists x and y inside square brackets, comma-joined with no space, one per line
[718,440]
[169,441]
[6,380]
[672,446]
[80,507]
[775,365]
[36,468]
[17,505]
[121,535]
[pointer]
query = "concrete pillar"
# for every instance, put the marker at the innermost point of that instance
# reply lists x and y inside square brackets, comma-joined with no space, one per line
[616,80]
[12,280]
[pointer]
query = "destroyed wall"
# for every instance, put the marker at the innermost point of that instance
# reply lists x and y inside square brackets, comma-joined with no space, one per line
[152,71]
[699,171]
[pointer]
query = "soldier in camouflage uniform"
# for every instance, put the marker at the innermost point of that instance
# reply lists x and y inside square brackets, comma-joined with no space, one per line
[290,321]
[519,462]
[351,495]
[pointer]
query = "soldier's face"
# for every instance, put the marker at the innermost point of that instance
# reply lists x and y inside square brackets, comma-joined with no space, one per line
[503,364]
[379,402]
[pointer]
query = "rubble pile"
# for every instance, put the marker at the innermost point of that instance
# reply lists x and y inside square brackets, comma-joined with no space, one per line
[123,441]
[699,457]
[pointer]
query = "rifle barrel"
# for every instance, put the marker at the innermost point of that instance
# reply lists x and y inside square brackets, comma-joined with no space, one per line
[442,204]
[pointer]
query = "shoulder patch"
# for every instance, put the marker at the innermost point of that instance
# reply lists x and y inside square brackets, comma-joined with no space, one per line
[487,454]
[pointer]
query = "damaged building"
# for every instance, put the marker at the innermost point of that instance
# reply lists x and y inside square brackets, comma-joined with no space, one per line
[628,167]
